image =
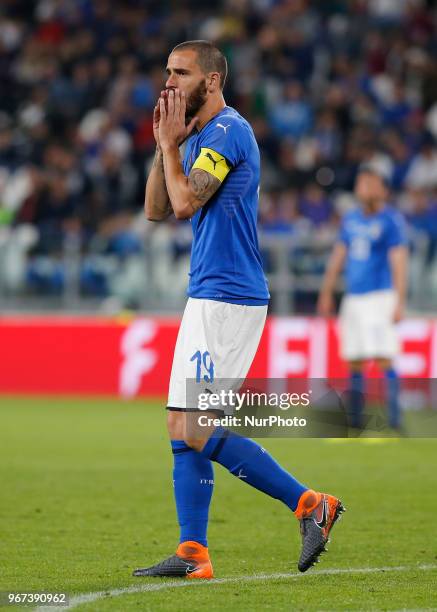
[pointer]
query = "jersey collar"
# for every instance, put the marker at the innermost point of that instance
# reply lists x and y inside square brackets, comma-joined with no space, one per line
[215,117]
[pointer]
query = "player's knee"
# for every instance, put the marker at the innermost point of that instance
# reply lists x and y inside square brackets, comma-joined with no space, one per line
[176,425]
[177,430]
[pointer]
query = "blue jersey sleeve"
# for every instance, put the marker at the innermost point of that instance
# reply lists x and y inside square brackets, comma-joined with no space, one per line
[396,230]
[228,137]
[342,234]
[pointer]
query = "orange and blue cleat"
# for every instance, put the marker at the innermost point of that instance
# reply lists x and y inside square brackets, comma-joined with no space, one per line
[317,514]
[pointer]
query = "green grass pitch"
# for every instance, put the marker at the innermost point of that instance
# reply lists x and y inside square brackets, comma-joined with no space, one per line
[86,496]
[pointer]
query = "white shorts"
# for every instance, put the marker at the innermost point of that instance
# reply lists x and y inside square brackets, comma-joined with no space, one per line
[216,340]
[367,330]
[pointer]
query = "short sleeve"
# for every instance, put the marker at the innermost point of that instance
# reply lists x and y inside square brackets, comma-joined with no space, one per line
[396,231]
[228,137]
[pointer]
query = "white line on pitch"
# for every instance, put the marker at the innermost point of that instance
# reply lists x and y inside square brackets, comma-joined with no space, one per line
[78,600]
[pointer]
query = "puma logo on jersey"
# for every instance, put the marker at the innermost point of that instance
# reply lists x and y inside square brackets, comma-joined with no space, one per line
[225,127]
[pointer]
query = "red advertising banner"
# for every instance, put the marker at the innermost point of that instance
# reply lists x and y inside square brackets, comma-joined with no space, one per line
[96,356]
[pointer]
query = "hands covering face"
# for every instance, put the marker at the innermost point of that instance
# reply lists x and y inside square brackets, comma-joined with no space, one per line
[169,119]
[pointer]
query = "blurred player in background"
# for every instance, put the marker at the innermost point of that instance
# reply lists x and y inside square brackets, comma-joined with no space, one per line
[372,247]
[216,186]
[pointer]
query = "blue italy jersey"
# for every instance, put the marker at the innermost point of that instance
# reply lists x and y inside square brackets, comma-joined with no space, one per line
[368,239]
[225,259]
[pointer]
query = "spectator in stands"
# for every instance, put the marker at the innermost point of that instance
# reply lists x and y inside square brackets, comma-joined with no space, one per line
[423,170]
[292,116]
[315,206]
[422,216]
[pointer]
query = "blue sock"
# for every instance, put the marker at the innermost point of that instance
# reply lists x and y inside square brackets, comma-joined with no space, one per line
[356,398]
[193,480]
[392,394]
[251,463]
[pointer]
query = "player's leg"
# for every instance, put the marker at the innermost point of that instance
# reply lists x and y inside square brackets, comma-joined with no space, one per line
[248,461]
[354,338]
[193,477]
[388,347]
[356,394]
[392,390]
[253,464]
[193,480]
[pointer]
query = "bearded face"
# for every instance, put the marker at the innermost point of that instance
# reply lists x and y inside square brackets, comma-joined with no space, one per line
[370,190]
[195,100]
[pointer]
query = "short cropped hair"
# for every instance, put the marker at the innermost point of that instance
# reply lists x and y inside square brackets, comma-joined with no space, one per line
[374,171]
[210,58]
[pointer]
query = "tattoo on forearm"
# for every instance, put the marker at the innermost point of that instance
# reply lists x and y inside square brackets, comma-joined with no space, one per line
[203,185]
[159,204]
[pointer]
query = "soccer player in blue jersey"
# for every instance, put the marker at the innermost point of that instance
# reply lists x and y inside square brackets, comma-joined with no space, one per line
[372,247]
[216,186]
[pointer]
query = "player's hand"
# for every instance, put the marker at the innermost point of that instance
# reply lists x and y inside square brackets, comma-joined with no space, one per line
[156,123]
[399,312]
[157,117]
[172,130]
[325,304]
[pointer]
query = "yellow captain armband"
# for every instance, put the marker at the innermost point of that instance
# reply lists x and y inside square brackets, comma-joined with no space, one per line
[213,163]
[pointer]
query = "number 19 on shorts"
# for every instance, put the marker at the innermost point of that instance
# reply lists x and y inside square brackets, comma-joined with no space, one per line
[204,365]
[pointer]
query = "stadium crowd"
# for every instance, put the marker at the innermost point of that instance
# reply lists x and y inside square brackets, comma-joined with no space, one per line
[327,86]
